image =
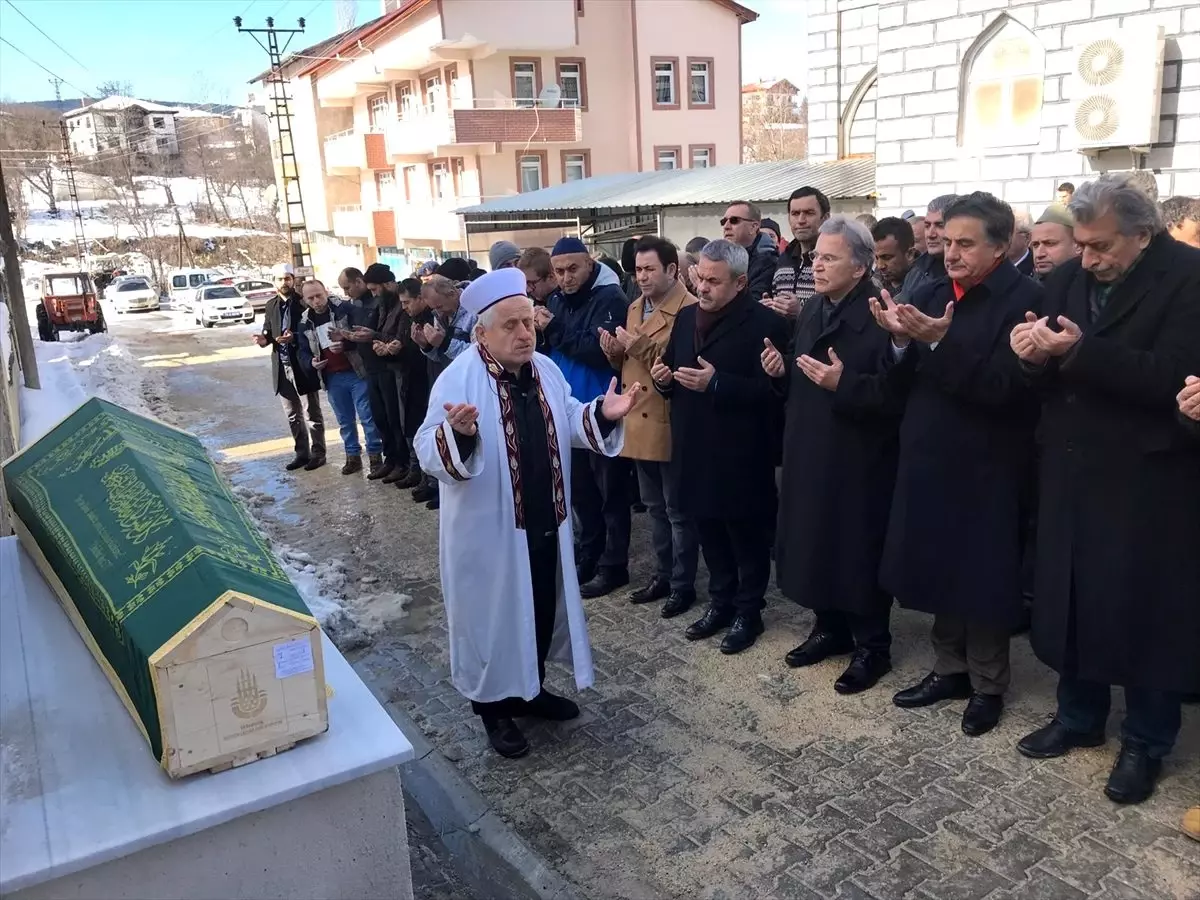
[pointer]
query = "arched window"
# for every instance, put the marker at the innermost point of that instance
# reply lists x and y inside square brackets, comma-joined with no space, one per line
[1000,96]
[856,128]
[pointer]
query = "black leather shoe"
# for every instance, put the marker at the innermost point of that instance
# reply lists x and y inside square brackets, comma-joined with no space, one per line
[315,463]
[1133,776]
[552,707]
[714,620]
[864,671]
[412,479]
[742,634]
[934,688]
[820,645]
[506,738]
[424,493]
[982,713]
[657,589]
[678,603]
[435,503]
[605,582]
[398,473]
[298,462]
[1056,739]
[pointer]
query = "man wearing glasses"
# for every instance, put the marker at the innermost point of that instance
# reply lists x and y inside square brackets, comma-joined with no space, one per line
[740,225]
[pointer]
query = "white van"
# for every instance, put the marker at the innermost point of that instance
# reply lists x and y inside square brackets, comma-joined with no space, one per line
[182,284]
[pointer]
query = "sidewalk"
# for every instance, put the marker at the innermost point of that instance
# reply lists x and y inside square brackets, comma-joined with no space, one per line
[691,774]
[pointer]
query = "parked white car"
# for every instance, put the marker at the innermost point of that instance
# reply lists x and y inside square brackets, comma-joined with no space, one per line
[183,285]
[258,293]
[132,294]
[221,303]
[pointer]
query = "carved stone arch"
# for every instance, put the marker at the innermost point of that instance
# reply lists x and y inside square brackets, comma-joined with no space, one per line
[850,110]
[1029,74]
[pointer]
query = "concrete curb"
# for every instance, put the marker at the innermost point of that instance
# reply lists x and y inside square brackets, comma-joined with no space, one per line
[493,858]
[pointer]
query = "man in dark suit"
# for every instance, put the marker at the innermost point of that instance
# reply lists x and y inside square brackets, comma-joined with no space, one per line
[840,446]
[959,512]
[1118,561]
[296,388]
[1019,253]
[724,430]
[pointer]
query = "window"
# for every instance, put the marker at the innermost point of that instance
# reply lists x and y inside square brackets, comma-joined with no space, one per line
[406,99]
[110,121]
[666,86]
[700,83]
[1001,90]
[576,166]
[572,79]
[158,122]
[579,8]
[526,82]
[379,110]
[703,155]
[163,143]
[442,181]
[452,80]
[666,158]
[385,189]
[531,172]
[434,99]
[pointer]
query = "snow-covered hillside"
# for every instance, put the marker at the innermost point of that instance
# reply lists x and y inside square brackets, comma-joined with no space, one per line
[248,209]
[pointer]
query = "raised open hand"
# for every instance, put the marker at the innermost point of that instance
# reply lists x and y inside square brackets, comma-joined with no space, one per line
[463,418]
[1055,343]
[617,406]
[661,374]
[772,360]
[922,327]
[826,376]
[698,378]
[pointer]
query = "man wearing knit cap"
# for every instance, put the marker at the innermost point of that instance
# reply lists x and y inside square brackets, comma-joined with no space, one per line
[385,392]
[588,300]
[500,421]
[1052,241]
[503,255]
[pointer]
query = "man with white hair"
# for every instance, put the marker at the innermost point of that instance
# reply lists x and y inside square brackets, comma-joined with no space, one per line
[840,447]
[500,423]
[1019,253]
[1118,565]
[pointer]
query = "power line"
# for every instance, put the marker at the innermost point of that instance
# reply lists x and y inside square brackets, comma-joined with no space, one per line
[49,72]
[47,37]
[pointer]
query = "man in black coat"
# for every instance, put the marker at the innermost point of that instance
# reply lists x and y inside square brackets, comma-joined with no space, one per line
[840,445]
[298,390]
[1118,562]
[958,515]
[723,434]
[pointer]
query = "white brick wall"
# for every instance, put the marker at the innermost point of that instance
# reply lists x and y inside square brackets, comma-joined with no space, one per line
[913,124]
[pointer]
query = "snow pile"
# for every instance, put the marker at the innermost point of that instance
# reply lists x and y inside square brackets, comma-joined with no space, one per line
[71,372]
[320,584]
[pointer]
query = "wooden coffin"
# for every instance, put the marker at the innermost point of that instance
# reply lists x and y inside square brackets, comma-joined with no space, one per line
[172,588]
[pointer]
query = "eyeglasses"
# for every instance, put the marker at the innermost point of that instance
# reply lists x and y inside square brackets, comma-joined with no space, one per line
[734,220]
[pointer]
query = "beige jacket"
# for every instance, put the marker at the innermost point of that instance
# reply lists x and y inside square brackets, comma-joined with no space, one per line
[648,426]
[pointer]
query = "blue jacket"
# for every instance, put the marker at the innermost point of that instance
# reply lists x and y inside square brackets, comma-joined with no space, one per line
[573,337]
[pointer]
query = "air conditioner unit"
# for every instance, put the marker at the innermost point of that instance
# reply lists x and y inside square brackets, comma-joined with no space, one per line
[1115,87]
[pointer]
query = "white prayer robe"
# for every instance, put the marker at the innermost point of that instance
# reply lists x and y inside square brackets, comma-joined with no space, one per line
[482,553]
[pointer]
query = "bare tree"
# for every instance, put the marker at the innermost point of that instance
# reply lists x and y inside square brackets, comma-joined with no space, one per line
[774,123]
[115,88]
[32,146]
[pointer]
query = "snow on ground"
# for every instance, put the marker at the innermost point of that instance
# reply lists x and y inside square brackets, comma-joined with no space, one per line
[97,365]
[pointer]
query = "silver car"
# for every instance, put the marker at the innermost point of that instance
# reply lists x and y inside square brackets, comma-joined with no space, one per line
[132,294]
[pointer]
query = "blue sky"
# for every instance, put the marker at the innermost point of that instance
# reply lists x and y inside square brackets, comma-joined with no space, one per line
[188,50]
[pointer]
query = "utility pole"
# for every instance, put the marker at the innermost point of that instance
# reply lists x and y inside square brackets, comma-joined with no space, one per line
[73,193]
[293,203]
[179,222]
[16,294]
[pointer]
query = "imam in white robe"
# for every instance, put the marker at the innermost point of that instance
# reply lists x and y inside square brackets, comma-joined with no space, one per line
[482,550]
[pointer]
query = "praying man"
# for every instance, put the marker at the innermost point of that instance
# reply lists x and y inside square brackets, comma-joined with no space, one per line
[498,435]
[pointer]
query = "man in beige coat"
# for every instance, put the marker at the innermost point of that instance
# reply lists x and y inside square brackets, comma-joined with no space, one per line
[633,350]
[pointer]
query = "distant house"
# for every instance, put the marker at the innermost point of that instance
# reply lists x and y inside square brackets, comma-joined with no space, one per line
[122,123]
[774,121]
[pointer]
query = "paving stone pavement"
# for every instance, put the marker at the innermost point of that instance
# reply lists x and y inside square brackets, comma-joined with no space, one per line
[691,774]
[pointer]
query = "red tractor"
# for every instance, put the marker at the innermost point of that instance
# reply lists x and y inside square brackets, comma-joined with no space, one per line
[68,304]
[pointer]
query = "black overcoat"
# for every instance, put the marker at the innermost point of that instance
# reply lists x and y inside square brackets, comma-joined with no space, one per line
[724,439]
[1118,562]
[965,474]
[306,381]
[839,460]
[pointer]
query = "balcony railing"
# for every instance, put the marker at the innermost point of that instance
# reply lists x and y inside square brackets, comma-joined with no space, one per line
[352,222]
[355,149]
[421,128]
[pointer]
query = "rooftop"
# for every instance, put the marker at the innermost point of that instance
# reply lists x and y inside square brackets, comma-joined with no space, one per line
[764,182]
[118,103]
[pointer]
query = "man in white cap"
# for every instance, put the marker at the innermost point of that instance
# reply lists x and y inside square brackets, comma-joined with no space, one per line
[298,390]
[500,426]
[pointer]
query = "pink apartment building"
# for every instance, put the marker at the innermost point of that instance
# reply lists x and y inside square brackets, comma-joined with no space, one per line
[441,104]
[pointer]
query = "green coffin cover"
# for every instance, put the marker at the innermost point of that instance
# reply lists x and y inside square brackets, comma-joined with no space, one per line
[134,519]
